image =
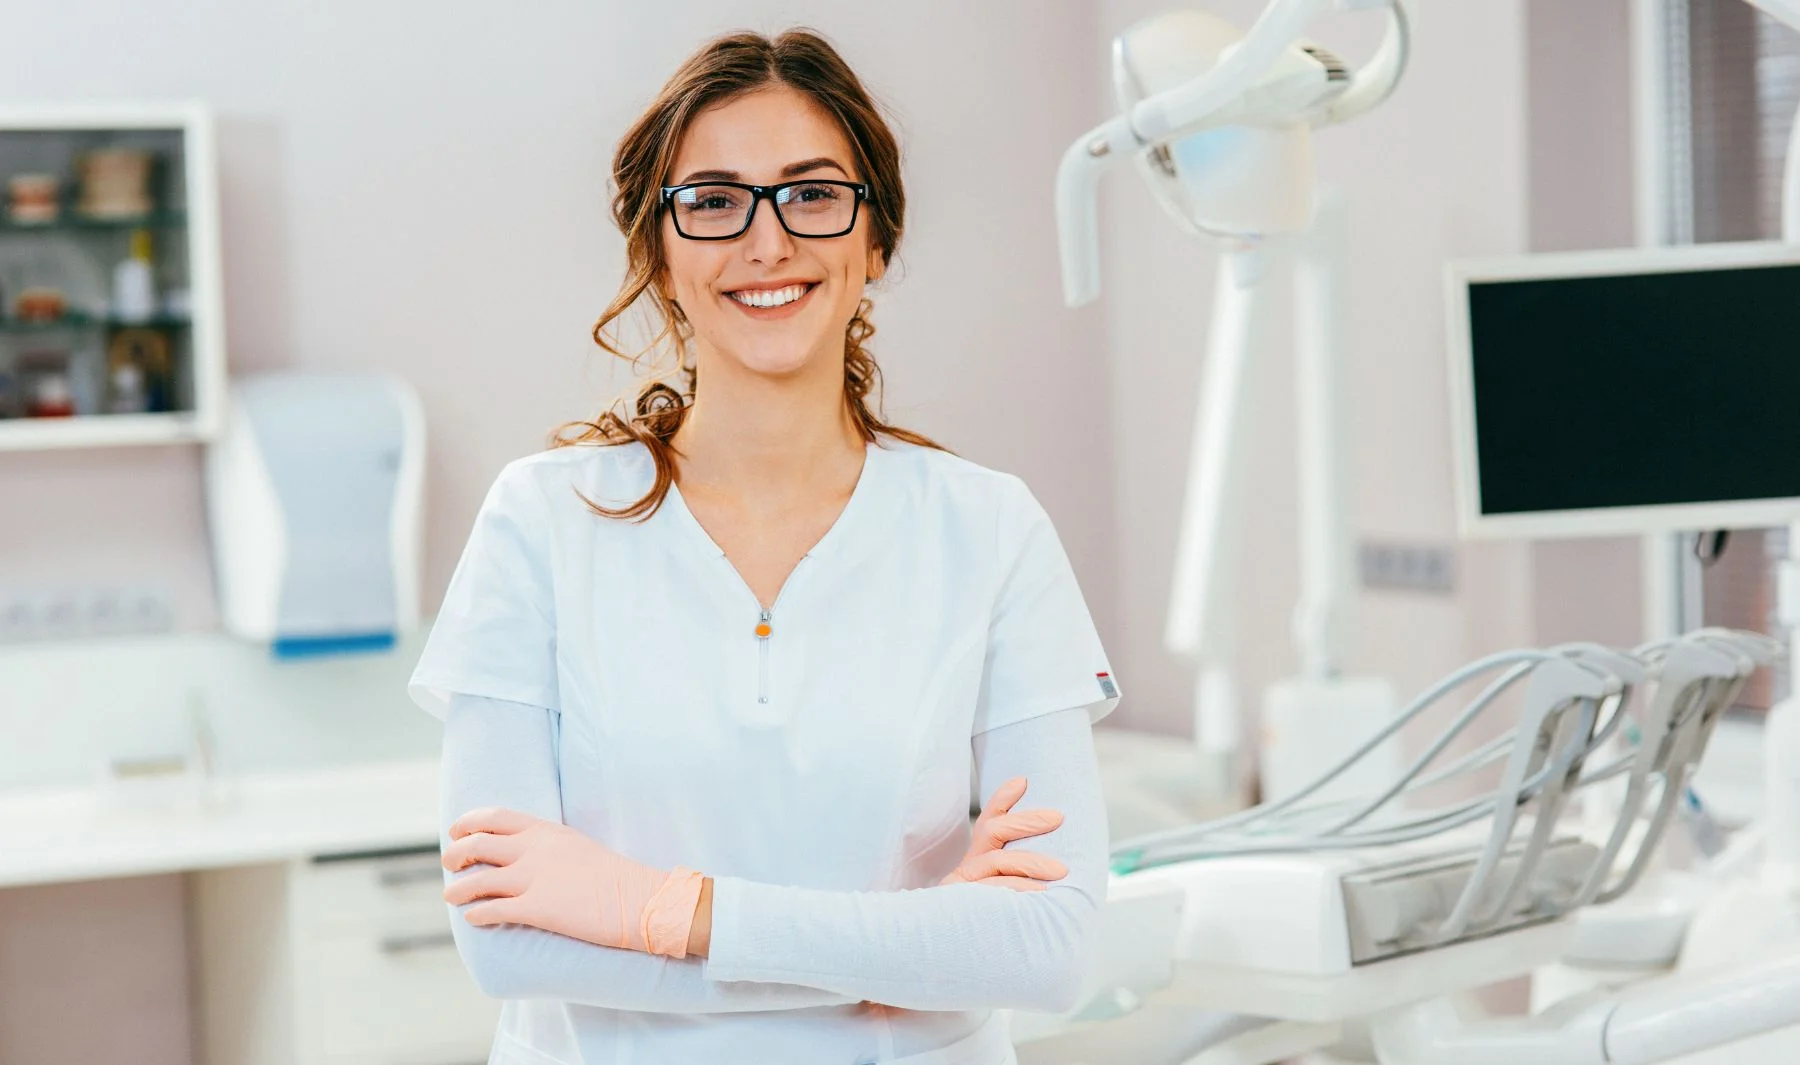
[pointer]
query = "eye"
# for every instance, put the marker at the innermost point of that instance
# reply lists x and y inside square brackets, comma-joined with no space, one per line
[814,193]
[712,199]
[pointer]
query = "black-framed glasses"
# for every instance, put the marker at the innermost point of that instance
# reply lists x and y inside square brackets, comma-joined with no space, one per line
[722,210]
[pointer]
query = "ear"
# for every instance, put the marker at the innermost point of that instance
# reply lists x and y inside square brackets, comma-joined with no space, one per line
[877,265]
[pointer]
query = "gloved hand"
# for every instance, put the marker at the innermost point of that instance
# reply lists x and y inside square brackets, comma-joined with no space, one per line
[987,863]
[553,877]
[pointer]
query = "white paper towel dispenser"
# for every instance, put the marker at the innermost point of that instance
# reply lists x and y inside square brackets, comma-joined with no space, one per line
[313,499]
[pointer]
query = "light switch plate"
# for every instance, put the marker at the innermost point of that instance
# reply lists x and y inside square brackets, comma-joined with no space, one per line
[1407,567]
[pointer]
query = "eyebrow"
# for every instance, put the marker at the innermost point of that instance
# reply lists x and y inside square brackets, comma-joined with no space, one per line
[791,170]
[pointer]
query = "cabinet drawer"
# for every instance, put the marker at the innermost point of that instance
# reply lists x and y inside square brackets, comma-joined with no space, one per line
[395,999]
[389,894]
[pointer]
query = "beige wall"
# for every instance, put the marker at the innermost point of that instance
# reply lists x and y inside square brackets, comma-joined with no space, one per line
[94,973]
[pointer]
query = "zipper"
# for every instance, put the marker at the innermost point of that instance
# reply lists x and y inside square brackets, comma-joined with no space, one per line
[765,626]
[763,631]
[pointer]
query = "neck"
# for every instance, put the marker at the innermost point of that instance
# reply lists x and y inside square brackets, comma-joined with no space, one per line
[748,435]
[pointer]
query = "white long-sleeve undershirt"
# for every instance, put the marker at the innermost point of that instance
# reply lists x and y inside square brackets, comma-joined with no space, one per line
[956,947]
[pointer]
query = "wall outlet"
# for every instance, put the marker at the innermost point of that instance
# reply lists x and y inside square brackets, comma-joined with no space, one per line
[18,618]
[68,612]
[1390,566]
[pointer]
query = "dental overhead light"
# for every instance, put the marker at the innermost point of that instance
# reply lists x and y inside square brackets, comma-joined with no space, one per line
[1219,122]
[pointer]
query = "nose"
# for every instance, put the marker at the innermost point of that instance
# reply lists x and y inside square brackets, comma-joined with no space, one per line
[767,242]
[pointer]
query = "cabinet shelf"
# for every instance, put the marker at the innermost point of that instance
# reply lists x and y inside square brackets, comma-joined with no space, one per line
[102,430]
[73,220]
[78,320]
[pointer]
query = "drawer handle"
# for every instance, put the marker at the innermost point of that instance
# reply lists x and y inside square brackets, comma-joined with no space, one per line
[418,874]
[412,944]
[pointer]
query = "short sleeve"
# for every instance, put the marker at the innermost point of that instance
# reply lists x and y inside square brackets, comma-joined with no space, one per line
[1043,653]
[495,635]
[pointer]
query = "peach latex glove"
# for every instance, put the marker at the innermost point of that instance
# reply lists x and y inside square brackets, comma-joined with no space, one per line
[550,876]
[986,862]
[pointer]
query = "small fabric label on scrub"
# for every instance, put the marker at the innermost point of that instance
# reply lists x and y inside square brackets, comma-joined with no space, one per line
[1107,687]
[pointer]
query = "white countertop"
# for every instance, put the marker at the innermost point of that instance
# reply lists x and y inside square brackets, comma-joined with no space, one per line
[95,832]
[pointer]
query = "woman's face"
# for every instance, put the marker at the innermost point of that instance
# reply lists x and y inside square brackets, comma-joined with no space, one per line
[764,138]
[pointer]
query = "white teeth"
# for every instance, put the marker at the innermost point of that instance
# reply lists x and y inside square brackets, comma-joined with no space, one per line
[773,297]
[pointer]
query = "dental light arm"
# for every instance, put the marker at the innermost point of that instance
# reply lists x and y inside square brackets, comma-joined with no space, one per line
[1198,104]
[1377,80]
[1252,86]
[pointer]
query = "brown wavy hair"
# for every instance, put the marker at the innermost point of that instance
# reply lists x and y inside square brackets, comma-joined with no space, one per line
[724,68]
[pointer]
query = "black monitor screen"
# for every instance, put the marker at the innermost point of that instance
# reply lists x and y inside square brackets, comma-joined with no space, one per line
[1640,390]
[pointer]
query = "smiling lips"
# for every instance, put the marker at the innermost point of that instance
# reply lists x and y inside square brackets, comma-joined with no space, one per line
[772,297]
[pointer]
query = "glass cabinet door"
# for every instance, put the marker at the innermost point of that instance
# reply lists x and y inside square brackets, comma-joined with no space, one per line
[109,323]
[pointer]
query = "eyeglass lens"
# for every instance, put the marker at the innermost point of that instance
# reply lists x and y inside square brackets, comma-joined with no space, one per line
[813,210]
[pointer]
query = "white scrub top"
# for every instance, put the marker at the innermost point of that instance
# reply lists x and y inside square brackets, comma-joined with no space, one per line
[834,753]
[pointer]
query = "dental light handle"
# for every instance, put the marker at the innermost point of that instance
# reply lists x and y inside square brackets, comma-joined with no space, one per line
[1077,206]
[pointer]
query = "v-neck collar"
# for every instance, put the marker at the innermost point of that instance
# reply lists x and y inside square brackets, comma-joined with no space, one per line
[831,541]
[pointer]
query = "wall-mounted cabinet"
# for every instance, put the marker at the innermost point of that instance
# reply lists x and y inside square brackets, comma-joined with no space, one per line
[111,321]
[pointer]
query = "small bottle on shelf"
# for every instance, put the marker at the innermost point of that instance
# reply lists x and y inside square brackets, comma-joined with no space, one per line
[134,282]
[126,390]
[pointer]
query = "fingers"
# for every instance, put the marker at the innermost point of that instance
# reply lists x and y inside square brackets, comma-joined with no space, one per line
[1014,883]
[1004,797]
[482,847]
[1012,863]
[496,911]
[496,819]
[485,884]
[1020,824]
